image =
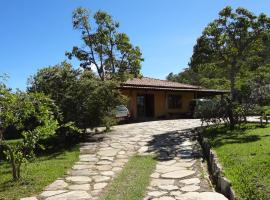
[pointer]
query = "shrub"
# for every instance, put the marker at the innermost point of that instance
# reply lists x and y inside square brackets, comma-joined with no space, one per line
[212,111]
[32,115]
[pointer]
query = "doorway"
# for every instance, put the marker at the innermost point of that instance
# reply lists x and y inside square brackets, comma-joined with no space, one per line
[145,106]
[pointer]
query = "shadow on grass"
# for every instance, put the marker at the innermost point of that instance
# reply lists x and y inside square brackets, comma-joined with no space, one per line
[5,168]
[11,183]
[222,135]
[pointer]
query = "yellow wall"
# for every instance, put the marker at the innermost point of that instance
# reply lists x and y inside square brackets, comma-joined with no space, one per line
[161,107]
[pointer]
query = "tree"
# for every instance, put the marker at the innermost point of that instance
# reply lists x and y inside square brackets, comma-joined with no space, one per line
[81,96]
[232,43]
[60,83]
[105,49]
[32,115]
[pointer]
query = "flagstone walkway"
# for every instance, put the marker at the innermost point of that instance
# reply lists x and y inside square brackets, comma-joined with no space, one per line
[178,174]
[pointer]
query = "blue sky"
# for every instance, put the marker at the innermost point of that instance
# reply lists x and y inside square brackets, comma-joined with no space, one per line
[35,33]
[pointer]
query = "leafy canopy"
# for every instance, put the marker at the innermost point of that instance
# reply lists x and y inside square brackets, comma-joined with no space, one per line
[81,97]
[32,114]
[229,51]
[105,48]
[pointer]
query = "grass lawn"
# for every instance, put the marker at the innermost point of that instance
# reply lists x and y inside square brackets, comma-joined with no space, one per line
[245,156]
[131,183]
[35,175]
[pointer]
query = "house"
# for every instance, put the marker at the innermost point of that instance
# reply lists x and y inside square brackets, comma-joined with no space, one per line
[154,98]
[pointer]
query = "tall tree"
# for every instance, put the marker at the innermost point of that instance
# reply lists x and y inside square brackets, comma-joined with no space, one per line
[105,49]
[228,40]
[232,44]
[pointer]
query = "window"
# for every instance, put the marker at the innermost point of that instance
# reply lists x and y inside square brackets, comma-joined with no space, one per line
[174,101]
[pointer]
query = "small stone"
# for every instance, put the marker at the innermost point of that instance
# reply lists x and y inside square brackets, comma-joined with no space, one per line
[29,198]
[155,175]
[104,162]
[116,145]
[101,178]
[143,149]
[96,193]
[78,195]
[190,181]
[79,187]
[168,163]
[107,158]
[122,156]
[176,193]
[79,167]
[88,158]
[121,152]
[116,169]
[157,182]
[166,198]
[82,172]
[118,164]
[99,186]
[103,167]
[79,179]
[51,193]
[57,185]
[190,188]
[168,187]
[211,195]
[107,173]
[178,174]
[190,196]
[156,193]
[184,164]
[166,169]
[108,152]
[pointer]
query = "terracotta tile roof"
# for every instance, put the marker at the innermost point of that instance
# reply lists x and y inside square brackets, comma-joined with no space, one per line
[147,83]
[152,82]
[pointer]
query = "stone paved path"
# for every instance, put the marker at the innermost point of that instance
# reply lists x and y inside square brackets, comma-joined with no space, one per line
[178,174]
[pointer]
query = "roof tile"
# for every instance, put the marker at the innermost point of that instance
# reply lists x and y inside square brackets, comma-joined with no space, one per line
[146,81]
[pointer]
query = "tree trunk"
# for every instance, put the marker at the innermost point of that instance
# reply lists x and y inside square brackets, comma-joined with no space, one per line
[15,170]
[231,116]
[233,95]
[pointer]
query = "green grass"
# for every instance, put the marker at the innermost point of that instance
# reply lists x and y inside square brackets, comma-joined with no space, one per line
[245,156]
[36,175]
[133,180]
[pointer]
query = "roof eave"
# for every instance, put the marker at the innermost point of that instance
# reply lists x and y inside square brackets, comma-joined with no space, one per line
[173,89]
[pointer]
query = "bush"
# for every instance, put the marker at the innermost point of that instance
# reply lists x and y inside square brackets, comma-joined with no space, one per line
[212,111]
[32,116]
[81,97]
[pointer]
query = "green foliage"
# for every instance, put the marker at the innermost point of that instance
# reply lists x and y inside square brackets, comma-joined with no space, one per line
[107,50]
[59,82]
[82,97]
[212,111]
[32,115]
[232,47]
[232,53]
[216,111]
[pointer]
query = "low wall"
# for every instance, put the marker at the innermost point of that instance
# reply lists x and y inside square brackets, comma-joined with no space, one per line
[222,184]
